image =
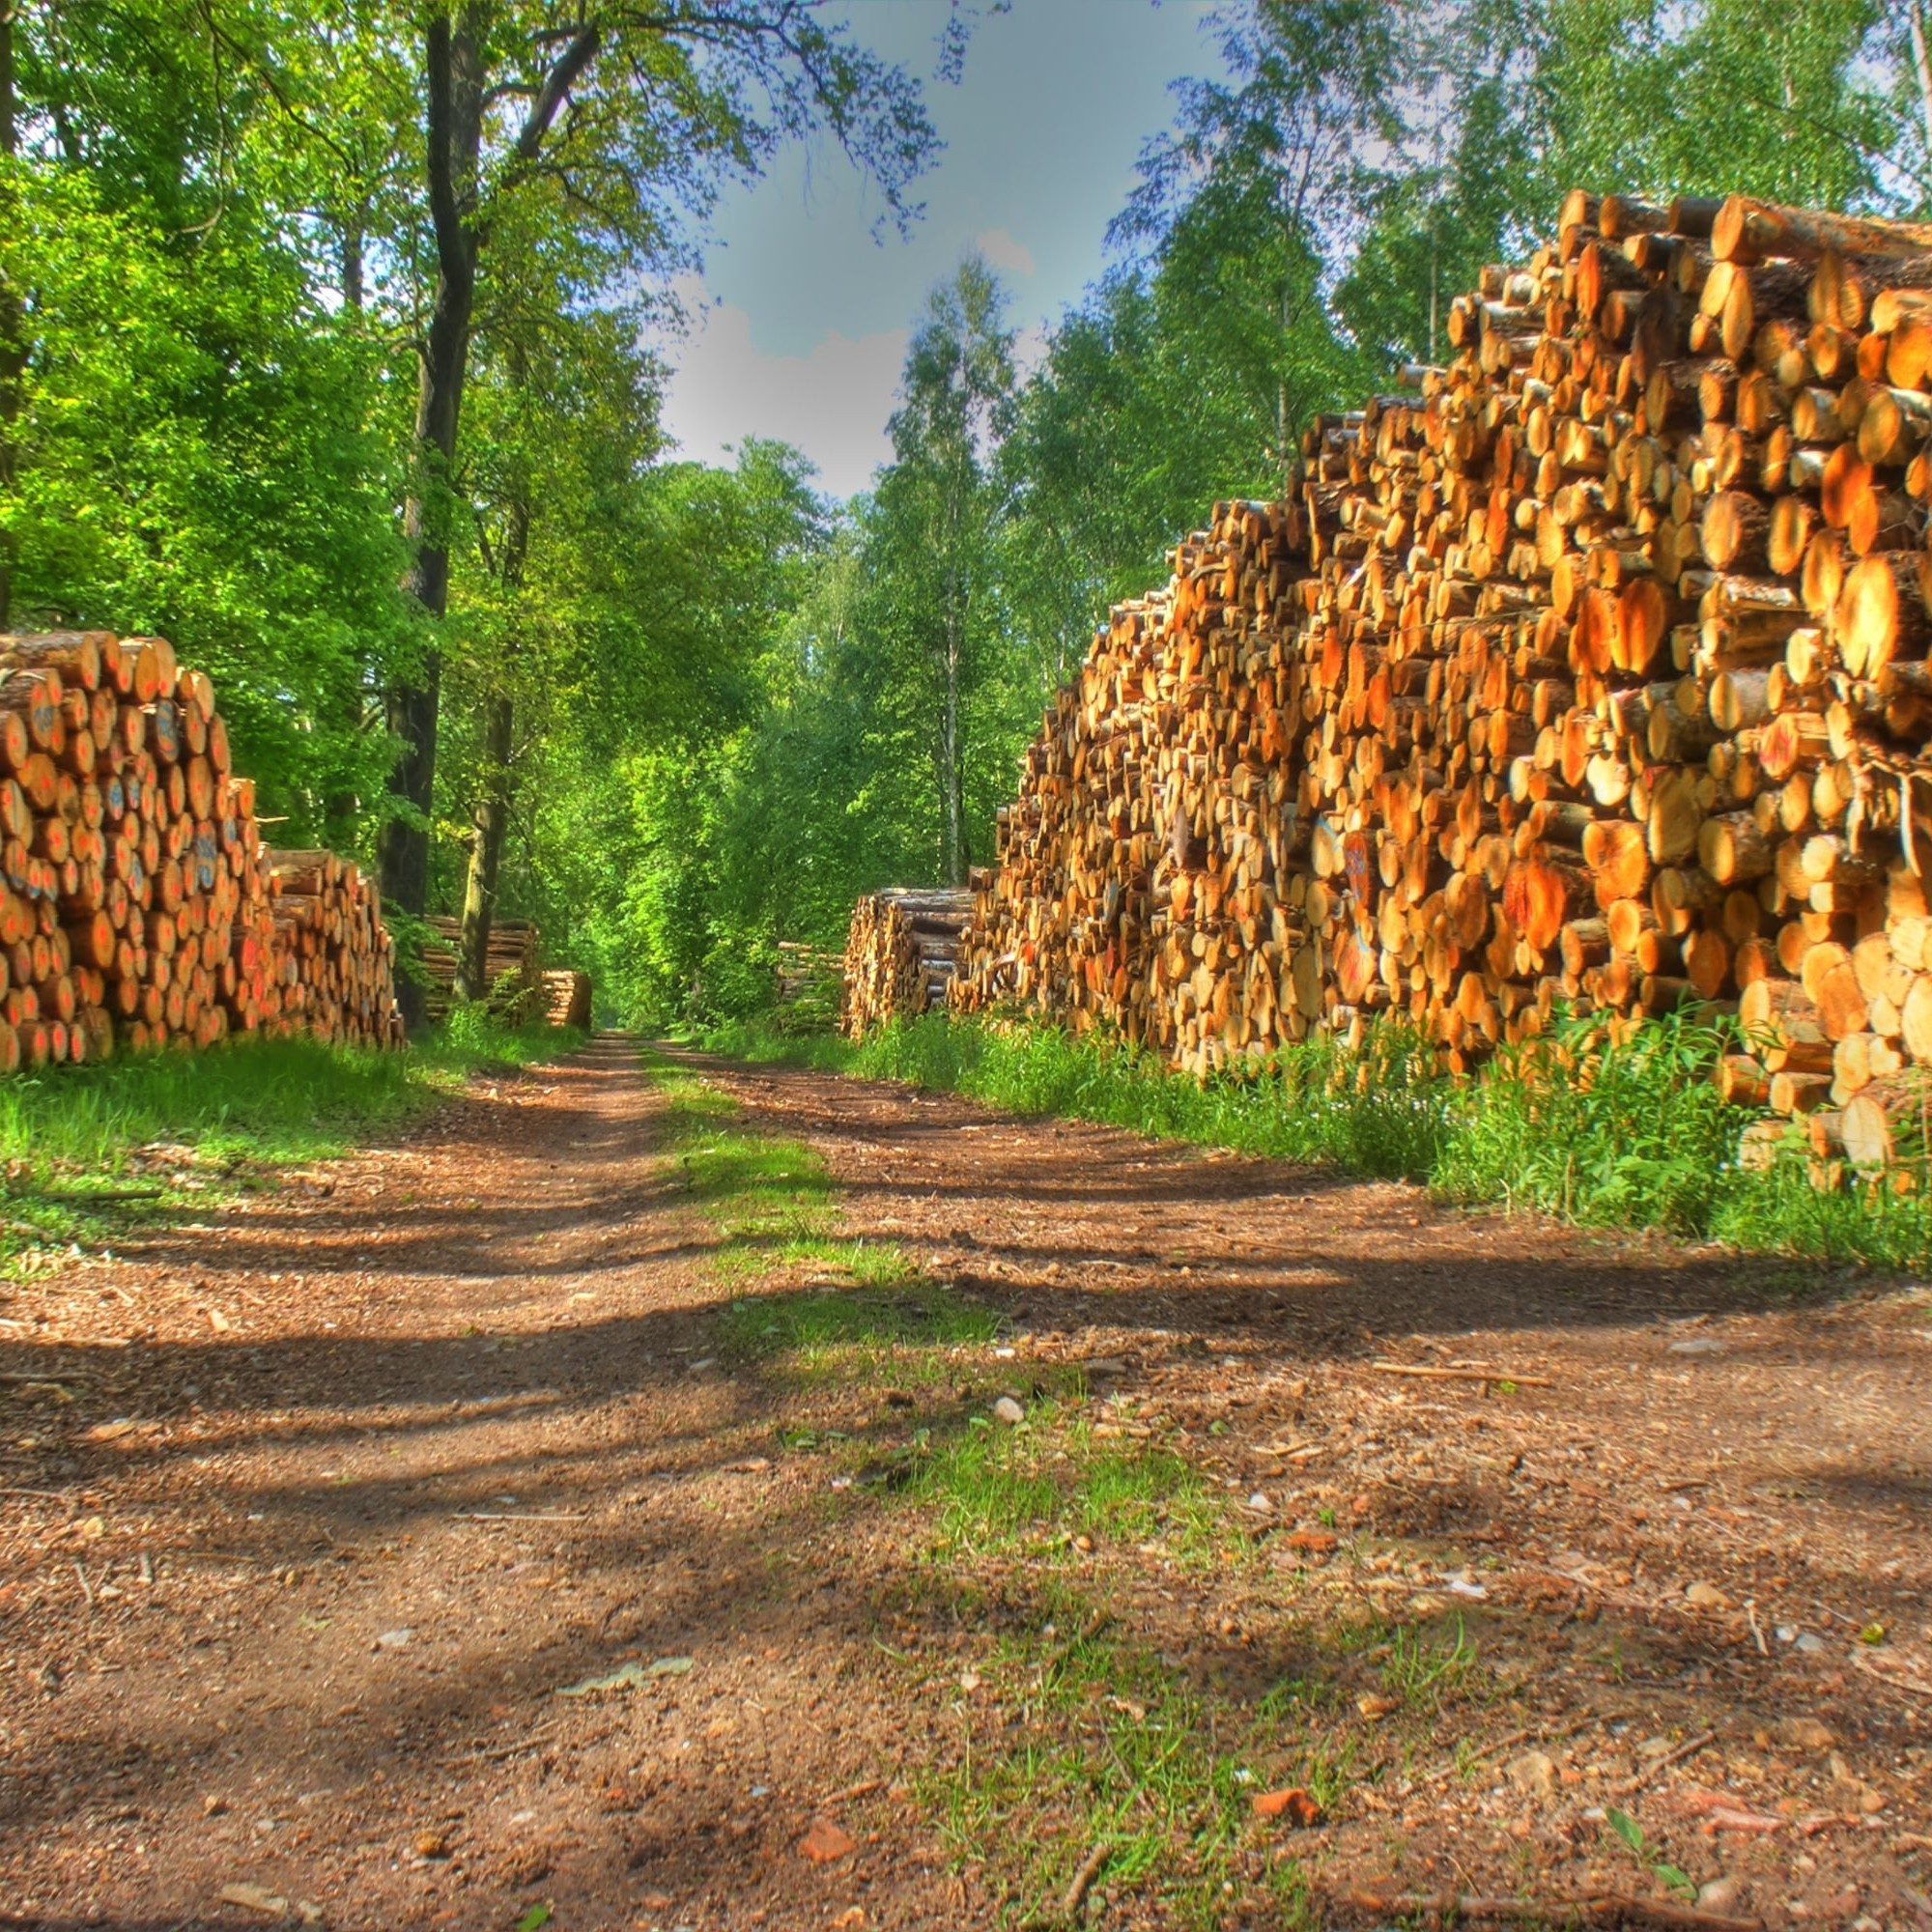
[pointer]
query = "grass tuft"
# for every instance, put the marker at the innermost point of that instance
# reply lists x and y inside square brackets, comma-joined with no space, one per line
[774,1205]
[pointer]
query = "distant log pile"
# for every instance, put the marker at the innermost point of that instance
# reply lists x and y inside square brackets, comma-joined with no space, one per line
[809,985]
[567,998]
[515,980]
[1593,670]
[902,953]
[138,905]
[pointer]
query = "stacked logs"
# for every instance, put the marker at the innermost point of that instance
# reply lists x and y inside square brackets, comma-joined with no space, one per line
[137,902]
[808,986]
[510,969]
[329,948]
[902,953]
[1589,670]
[567,998]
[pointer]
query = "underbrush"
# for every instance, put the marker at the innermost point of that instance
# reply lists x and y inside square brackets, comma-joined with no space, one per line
[89,1150]
[1597,1127]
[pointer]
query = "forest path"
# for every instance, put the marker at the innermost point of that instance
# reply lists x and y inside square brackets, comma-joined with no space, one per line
[312,1512]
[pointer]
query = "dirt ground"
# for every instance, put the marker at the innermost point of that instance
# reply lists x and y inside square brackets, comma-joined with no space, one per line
[311,1513]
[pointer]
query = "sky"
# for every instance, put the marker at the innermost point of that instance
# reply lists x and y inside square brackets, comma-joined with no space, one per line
[803,312]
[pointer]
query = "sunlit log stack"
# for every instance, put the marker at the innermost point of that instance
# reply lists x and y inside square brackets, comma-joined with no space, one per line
[328,948]
[567,997]
[900,953]
[1591,669]
[139,905]
[510,970]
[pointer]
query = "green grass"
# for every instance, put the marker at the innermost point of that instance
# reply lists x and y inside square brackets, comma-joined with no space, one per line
[863,1309]
[1600,1131]
[1033,1488]
[1111,1751]
[88,1151]
[1096,1744]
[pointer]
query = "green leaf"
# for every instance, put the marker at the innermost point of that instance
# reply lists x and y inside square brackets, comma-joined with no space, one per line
[1628,1830]
[535,1917]
[1677,1879]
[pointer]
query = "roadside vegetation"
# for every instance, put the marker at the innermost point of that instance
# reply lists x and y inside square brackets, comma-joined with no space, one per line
[1592,1127]
[90,1153]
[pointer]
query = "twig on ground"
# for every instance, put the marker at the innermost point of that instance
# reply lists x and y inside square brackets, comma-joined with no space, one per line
[1757,1635]
[1082,1881]
[1470,1905]
[86,1588]
[1521,1737]
[1689,1748]
[521,1516]
[1898,1680]
[1462,1374]
[862,1789]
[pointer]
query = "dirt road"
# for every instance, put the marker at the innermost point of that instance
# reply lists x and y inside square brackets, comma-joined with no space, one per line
[317,1513]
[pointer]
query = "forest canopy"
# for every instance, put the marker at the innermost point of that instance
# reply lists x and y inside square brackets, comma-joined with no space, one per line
[324,351]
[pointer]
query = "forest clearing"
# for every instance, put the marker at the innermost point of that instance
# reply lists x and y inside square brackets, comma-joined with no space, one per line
[1342,1549]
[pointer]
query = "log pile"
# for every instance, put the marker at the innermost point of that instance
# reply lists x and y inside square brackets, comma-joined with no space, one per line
[327,950]
[900,953]
[808,986]
[1590,669]
[510,969]
[567,998]
[138,905]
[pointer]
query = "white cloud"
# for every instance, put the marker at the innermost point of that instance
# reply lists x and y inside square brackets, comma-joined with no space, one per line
[833,403]
[1002,252]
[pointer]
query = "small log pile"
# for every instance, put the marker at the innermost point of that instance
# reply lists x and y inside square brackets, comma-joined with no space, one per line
[567,997]
[807,985]
[510,969]
[1591,669]
[902,953]
[138,905]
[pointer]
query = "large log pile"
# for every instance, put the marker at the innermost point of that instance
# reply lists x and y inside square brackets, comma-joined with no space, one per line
[1590,669]
[900,953]
[138,901]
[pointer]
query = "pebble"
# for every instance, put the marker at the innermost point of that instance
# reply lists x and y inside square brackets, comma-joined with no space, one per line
[1706,1597]
[1719,1894]
[1534,1771]
[1703,1344]
[1007,1410]
[1806,1734]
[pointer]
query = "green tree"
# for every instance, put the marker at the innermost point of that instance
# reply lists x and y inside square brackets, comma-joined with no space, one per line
[611,122]
[934,517]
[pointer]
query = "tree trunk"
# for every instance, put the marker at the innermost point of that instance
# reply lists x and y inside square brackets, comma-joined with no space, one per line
[12,350]
[486,851]
[453,59]
[951,748]
[493,805]
[953,776]
[1922,66]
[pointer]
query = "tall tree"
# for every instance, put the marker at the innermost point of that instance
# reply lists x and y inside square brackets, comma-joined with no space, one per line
[1250,196]
[936,510]
[614,117]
